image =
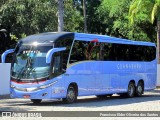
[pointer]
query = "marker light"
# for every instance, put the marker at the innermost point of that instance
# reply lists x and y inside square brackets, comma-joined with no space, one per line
[35,43]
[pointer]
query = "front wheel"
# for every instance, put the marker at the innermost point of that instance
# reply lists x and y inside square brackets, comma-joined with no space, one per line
[35,101]
[131,90]
[71,95]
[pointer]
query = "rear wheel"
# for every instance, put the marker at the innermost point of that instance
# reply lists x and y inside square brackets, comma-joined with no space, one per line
[35,101]
[139,89]
[71,95]
[131,90]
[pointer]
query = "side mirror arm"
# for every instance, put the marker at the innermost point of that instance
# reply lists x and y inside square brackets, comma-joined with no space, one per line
[3,57]
[51,51]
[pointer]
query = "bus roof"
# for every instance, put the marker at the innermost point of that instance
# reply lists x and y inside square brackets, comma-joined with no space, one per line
[47,37]
[52,36]
[105,38]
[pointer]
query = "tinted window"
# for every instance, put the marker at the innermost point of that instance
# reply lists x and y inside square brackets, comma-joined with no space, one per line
[124,52]
[79,51]
[64,54]
[59,59]
[84,50]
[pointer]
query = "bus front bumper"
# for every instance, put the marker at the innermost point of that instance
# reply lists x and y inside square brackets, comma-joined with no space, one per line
[48,93]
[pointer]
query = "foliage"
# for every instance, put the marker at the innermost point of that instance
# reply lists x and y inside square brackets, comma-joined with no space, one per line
[150,9]
[72,17]
[94,18]
[35,16]
[29,16]
[116,13]
[110,17]
[144,10]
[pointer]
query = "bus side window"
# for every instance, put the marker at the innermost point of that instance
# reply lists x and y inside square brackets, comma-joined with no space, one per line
[57,64]
[64,42]
[95,51]
[78,52]
[108,51]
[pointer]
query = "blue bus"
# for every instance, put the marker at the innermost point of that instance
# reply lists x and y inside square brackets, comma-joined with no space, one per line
[65,65]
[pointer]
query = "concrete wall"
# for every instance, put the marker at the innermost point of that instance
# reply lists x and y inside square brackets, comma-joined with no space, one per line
[158,75]
[4,78]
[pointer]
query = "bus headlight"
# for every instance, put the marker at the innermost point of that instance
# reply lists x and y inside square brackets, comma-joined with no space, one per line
[12,86]
[45,86]
[33,88]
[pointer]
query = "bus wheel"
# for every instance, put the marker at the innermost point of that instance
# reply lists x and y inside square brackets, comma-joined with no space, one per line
[139,89]
[36,100]
[71,95]
[131,90]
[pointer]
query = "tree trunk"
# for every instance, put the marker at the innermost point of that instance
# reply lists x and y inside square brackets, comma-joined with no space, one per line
[85,18]
[60,16]
[158,41]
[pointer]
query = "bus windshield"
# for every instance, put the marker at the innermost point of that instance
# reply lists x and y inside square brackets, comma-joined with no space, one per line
[30,63]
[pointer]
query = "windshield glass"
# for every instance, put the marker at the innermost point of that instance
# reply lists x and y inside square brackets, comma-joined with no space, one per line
[30,63]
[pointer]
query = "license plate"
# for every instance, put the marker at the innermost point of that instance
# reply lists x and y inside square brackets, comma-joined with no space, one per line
[26,96]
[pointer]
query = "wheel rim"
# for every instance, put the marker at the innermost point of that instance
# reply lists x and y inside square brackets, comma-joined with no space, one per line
[71,95]
[131,90]
[140,89]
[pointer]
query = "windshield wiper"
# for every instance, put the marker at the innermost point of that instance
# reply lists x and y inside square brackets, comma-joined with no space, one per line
[24,69]
[19,76]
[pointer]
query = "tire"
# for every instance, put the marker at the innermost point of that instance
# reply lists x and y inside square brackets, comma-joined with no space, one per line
[131,90]
[71,96]
[36,101]
[139,89]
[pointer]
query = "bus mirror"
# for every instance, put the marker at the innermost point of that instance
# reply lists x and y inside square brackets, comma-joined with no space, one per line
[51,51]
[3,57]
[95,40]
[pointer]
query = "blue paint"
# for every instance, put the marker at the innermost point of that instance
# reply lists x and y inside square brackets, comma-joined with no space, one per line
[3,57]
[91,77]
[50,53]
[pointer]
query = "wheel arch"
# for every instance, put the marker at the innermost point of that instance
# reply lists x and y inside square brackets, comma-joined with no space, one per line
[141,80]
[75,86]
[133,81]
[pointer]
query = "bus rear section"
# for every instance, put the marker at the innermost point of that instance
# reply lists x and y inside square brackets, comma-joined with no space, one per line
[104,68]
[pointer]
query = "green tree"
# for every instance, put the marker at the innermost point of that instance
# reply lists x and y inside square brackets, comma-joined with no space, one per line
[95,19]
[141,10]
[73,19]
[29,16]
[26,17]
[35,16]
[92,18]
[116,18]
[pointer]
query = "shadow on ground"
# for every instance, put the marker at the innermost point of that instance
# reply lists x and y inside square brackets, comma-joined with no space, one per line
[89,102]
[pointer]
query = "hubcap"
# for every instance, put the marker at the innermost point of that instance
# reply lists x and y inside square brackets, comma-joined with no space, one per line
[71,95]
[130,90]
[140,89]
